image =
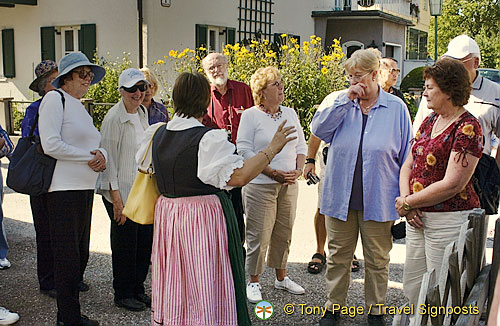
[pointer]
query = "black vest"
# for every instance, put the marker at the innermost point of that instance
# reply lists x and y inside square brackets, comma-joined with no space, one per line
[175,160]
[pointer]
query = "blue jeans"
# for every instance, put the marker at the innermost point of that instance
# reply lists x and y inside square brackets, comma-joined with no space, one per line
[4,246]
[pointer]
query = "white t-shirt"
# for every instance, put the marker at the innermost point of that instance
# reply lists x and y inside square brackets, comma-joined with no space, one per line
[139,129]
[255,132]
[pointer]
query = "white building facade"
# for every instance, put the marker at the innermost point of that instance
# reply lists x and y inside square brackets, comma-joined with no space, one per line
[33,30]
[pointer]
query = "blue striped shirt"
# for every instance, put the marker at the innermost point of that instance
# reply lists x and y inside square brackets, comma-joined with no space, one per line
[386,144]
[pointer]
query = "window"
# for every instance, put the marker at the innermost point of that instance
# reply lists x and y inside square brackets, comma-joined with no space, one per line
[416,44]
[57,41]
[349,47]
[255,19]
[70,39]
[214,38]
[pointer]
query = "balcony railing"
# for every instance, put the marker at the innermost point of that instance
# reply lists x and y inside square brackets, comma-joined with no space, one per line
[405,8]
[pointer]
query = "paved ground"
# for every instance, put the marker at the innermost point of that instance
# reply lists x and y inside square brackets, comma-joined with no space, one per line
[19,286]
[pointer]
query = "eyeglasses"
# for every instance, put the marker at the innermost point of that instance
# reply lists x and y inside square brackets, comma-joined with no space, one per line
[133,89]
[216,67]
[277,83]
[83,74]
[395,71]
[356,78]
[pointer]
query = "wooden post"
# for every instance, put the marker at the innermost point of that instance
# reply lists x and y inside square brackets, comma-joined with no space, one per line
[434,299]
[428,280]
[6,114]
[495,262]
[477,298]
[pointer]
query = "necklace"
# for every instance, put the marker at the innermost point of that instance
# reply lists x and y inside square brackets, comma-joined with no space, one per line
[275,116]
[367,108]
[436,131]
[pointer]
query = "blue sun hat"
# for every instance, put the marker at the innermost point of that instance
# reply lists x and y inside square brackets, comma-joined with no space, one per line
[78,59]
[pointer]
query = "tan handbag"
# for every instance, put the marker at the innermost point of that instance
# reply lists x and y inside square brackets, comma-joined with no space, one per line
[140,205]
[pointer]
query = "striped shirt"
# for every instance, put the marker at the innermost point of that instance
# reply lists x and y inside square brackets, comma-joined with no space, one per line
[119,140]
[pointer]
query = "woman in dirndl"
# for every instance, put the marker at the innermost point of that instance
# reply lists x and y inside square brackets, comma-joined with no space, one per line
[197,262]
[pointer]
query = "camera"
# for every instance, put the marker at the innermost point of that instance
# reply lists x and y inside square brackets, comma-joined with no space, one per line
[312,179]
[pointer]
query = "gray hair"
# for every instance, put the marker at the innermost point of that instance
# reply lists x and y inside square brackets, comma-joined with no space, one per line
[42,84]
[214,55]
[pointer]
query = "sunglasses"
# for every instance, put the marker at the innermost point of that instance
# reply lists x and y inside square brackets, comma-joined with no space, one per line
[133,89]
[83,74]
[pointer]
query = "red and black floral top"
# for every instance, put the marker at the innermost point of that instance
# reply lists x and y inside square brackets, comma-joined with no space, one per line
[430,159]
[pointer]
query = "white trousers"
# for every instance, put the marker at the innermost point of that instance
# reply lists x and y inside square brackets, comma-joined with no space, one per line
[425,247]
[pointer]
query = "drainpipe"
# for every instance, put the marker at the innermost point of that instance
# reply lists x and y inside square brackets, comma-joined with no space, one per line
[141,41]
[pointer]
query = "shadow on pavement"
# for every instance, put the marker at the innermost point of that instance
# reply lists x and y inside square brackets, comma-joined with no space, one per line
[19,289]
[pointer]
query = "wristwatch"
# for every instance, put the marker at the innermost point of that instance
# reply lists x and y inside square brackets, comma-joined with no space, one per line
[310,160]
[406,207]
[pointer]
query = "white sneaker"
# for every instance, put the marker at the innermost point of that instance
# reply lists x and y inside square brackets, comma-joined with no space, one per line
[7,317]
[253,292]
[289,285]
[4,264]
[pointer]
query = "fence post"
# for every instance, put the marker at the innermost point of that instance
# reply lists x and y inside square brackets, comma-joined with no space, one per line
[6,114]
[88,103]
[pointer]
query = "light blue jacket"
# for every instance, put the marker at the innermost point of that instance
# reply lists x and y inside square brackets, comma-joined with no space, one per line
[386,144]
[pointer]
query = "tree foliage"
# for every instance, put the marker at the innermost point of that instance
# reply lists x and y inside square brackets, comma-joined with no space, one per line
[480,19]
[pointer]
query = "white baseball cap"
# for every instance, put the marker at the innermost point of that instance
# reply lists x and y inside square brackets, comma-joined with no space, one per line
[461,46]
[130,77]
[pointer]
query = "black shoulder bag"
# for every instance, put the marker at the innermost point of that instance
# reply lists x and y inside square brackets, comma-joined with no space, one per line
[30,170]
[486,179]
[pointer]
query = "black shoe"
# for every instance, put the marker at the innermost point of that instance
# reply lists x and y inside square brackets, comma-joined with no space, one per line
[51,293]
[84,321]
[144,298]
[83,287]
[330,319]
[376,320]
[130,304]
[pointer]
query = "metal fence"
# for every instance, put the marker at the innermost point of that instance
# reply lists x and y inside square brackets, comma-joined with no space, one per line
[12,112]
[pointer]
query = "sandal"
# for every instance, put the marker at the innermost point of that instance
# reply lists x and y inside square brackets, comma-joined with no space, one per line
[315,267]
[355,265]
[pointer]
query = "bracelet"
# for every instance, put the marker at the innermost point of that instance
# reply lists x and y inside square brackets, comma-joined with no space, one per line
[267,156]
[310,160]
[406,207]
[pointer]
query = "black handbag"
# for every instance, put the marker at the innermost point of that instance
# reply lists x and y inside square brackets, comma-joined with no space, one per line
[486,180]
[398,230]
[30,170]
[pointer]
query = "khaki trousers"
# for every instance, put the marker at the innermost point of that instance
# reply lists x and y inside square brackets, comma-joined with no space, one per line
[342,239]
[270,213]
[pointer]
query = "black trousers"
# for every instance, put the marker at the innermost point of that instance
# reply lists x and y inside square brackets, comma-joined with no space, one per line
[131,245]
[44,256]
[69,215]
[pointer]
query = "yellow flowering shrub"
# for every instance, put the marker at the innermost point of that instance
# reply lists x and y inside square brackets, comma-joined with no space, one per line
[309,72]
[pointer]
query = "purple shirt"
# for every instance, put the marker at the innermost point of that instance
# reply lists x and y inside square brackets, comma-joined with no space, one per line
[157,113]
[29,118]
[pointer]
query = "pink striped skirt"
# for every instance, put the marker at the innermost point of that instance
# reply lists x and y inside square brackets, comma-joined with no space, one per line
[192,282]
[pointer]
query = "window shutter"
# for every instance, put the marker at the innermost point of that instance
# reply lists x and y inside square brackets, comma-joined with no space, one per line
[230,35]
[87,40]
[201,35]
[9,59]
[47,37]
